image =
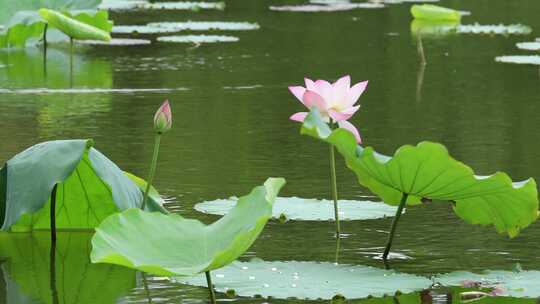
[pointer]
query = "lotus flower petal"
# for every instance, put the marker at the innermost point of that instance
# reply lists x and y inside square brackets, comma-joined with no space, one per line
[300,116]
[312,99]
[356,91]
[298,92]
[350,127]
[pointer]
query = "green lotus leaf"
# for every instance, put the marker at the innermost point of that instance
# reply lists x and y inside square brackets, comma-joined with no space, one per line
[73,28]
[308,280]
[303,209]
[155,201]
[177,246]
[90,187]
[434,12]
[26,269]
[428,171]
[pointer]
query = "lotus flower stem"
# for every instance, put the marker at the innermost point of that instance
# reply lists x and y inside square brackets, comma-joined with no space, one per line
[53,215]
[338,241]
[150,179]
[71,62]
[45,49]
[394,225]
[334,189]
[210,287]
[420,47]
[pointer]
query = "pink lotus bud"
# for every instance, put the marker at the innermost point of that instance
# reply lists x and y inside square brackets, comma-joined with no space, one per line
[163,118]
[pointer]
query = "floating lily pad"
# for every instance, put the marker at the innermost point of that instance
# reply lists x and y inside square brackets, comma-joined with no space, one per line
[519,59]
[295,208]
[403,1]
[308,280]
[529,46]
[116,42]
[498,29]
[145,5]
[198,39]
[174,27]
[521,284]
[336,7]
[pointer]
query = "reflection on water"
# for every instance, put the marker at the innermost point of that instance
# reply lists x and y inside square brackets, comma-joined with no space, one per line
[231,129]
[32,276]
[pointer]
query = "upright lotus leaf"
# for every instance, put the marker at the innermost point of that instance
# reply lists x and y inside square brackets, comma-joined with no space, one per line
[428,171]
[26,269]
[434,12]
[90,187]
[155,202]
[173,245]
[73,28]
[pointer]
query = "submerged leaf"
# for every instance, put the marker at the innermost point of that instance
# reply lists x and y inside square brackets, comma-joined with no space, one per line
[428,171]
[301,209]
[73,28]
[26,268]
[177,246]
[90,187]
[308,280]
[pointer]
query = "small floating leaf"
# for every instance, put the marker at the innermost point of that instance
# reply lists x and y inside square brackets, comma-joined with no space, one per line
[308,280]
[428,171]
[520,59]
[72,27]
[529,46]
[116,42]
[174,27]
[295,208]
[145,5]
[499,29]
[177,246]
[336,7]
[434,12]
[523,284]
[197,39]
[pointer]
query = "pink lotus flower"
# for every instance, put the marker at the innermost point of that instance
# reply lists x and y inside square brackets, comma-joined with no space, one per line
[335,102]
[163,118]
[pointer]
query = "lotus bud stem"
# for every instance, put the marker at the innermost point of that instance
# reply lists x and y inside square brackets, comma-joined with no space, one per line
[394,225]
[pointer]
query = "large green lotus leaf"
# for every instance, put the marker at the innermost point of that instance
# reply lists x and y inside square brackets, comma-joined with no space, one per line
[73,28]
[177,246]
[428,171]
[308,280]
[522,284]
[90,187]
[78,281]
[303,209]
[10,7]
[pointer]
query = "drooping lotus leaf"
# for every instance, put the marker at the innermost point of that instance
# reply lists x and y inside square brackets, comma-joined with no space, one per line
[520,59]
[522,284]
[177,246]
[73,28]
[26,269]
[302,209]
[26,27]
[428,171]
[90,187]
[434,12]
[308,280]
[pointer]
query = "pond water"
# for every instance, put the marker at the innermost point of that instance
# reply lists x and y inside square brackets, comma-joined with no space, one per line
[231,130]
